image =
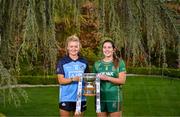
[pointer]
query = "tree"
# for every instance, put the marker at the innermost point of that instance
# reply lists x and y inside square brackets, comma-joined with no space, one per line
[27,34]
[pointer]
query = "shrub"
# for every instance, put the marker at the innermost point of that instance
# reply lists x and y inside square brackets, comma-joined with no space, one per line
[44,80]
[154,71]
[90,55]
[172,72]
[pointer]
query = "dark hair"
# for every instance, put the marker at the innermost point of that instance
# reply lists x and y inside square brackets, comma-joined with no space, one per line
[116,54]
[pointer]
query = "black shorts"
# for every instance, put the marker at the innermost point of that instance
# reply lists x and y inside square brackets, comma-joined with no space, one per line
[71,106]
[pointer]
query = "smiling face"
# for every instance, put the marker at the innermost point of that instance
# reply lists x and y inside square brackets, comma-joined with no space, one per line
[73,48]
[108,49]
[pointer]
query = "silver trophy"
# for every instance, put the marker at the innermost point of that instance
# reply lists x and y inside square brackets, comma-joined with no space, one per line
[90,86]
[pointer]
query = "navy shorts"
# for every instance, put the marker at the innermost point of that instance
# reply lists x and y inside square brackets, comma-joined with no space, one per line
[71,106]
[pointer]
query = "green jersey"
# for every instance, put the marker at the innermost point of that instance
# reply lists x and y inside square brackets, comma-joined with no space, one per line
[109,92]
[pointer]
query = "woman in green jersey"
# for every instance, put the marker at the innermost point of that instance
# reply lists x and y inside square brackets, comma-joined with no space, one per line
[112,73]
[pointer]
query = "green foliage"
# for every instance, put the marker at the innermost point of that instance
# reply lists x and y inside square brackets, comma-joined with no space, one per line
[34,71]
[26,34]
[154,71]
[141,27]
[144,70]
[37,80]
[2,115]
[39,44]
[52,79]
[90,55]
[8,94]
[172,72]
[67,18]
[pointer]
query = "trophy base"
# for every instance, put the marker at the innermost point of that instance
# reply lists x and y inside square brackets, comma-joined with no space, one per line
[89,91]
[89,88]
[89,94]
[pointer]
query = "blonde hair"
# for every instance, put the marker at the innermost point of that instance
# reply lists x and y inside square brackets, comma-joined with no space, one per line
[72,38]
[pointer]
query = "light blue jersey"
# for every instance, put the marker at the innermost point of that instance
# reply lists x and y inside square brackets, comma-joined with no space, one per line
[70,68]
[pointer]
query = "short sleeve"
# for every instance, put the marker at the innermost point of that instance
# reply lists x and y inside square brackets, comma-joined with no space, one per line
[96,66]
[122,66]
[94,69]
[59,68]
[87,68]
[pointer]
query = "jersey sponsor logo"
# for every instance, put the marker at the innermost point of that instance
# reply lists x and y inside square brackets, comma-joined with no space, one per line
[107,73]
[74,67]
[68,67]
[75,73]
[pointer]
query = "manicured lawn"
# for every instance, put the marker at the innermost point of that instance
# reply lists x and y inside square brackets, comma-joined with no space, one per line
[152,97]
[42,102]
[143,96]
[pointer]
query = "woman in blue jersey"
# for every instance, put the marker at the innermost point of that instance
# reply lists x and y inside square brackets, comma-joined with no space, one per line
[69,70]
[112,73]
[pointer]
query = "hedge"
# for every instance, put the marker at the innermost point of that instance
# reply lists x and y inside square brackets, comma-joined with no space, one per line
[28,79]
[154,71]
[37,80]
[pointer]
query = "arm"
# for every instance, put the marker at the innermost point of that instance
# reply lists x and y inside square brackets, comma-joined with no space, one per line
[63,80]
[120,80]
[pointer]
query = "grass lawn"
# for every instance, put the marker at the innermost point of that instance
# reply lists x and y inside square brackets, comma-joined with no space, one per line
[142,96]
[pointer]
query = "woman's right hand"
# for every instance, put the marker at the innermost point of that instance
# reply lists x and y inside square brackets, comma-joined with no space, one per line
[103,77]
[76,78]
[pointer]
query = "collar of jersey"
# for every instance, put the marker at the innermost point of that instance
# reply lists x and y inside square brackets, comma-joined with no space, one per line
[106,62]
[70,59]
